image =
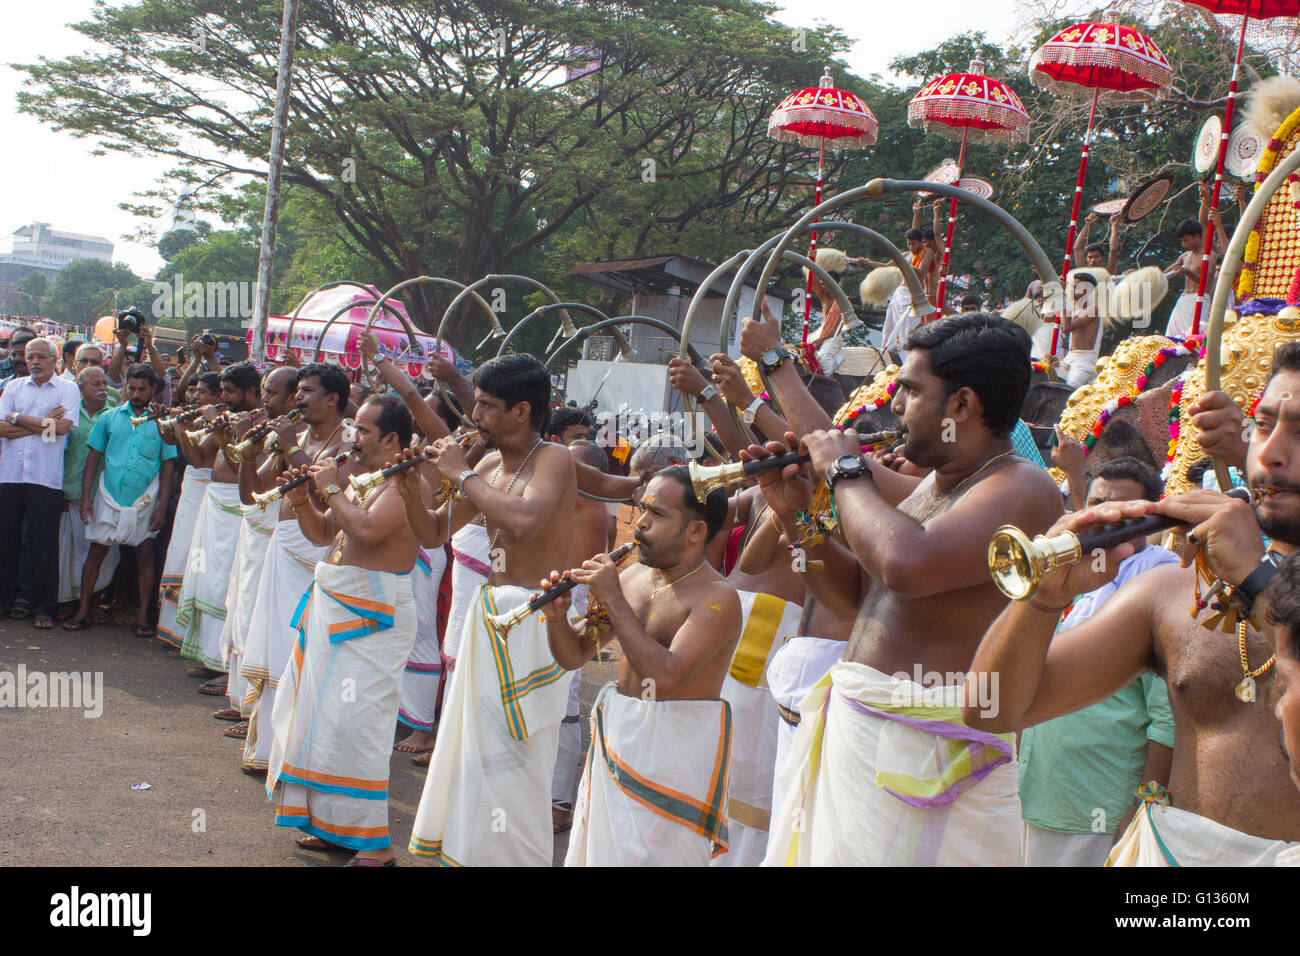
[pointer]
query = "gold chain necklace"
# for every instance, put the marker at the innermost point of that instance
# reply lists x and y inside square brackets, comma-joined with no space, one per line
[940,500]
[654,590]
[1246,689]
[492,546]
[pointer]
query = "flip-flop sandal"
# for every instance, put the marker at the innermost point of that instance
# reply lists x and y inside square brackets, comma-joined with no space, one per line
[20,610]
[227,713]
[422,760]
[558,828]
[213,689]
[366,861]
[145,631]
[317,845]
[76,625]
[238,731]
[254,771]
[42,622]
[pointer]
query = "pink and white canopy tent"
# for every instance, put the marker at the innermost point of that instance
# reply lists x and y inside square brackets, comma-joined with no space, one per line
[338,340]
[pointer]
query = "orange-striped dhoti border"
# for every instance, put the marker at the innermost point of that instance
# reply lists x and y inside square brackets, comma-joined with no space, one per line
[755,722]
[487,798]
[884,773]
[337,706]
[654,790]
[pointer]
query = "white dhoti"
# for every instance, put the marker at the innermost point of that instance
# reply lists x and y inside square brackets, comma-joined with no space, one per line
[793,671]
[1080,367]
[472,564]
[883,773]
[486,799]
[828,354]
[287,573]
[334,715]
[1180,320]
[1049,848]
[1160,835]
[899,322]
[423,674]
[654,790]
[74,546]
[114,523]
[193,488]
[254,540]
[767,621]
[201,608]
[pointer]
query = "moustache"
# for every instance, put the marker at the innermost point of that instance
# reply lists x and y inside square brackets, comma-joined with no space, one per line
[1274,486]
[640,540]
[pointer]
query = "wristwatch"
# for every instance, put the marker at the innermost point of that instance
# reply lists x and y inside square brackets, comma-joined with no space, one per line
[13,418]
[751,412]
[847,466]
[463,477]
[708,393]
[331,491]
[772,359]
[1258,579]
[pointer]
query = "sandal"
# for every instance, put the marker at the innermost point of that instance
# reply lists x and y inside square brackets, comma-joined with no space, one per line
[317,845]
[145,631]
[20,609]
[42,622]
[227,713]
[367,861]
[76,624]
[238,731]
[422,760]
[213,688]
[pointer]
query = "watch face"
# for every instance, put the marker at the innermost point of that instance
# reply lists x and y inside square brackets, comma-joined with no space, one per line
[772,357]
[847,463]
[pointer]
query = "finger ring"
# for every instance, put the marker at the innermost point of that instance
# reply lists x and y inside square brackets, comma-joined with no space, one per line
[1193,540]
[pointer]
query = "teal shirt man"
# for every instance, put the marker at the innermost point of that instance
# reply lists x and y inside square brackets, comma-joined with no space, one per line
[74,456]
[132,456]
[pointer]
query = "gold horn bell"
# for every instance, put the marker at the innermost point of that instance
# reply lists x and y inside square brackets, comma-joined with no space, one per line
[1018,564]
[709,478]
[363,484]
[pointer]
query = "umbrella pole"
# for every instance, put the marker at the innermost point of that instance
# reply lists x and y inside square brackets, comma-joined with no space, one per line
[810,354]
[952,220]
[1218,180]
[1074,211]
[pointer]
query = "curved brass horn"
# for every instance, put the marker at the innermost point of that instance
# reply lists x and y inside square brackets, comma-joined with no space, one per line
[1228,269]
[347,307]
[624,346]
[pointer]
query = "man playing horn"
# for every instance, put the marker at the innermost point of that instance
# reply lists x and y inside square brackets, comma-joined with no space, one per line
[654,789]
[487,799]
[860,781]
[1230,800]
[334,715]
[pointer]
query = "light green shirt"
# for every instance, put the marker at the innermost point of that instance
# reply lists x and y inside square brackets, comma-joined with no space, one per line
[74,456]
[132,456]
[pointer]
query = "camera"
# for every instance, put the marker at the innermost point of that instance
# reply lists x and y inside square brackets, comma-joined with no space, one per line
[131,320]
[207,338]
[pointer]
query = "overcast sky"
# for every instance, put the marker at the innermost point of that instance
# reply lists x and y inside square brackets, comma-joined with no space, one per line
[52,177]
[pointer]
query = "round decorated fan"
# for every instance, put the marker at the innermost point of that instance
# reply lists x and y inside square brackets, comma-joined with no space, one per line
[980,187]
[1148,197]
[1245,147]
[944,175]
[1110,207]
[1205,154]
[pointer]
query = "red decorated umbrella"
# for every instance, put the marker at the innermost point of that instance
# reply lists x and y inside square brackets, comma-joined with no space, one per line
[1248,10]
[967,106]
[1118,64]
[822,116]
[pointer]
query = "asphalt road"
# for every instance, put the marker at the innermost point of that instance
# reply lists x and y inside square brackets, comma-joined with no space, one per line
[66,796]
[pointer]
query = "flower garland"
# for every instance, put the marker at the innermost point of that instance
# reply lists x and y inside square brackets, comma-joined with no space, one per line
[1192,346]
[1175,425]
[890,389]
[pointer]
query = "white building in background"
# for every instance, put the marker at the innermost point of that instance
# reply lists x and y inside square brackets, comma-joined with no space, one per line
[40,247]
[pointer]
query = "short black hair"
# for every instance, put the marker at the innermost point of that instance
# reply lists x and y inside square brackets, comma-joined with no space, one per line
[1098,247]
[1284,608]
[914,234]
[518,378]
[970,298]
[1285,359]
[988,354]
[70,347]
[1087,278]
[448,408]
[713,512]
[1128,468]
[145,371]
[394,417]
[211,381]
[21,335]
[566,417]
[927,232]
[332,379]
[592,454]
[366,391]
[1188,227]
[242,375]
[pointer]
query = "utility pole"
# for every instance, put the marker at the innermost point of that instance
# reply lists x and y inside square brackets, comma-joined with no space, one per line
[270,216]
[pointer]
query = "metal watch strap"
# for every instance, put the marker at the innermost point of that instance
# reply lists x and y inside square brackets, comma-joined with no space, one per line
[708,393]
[463,477]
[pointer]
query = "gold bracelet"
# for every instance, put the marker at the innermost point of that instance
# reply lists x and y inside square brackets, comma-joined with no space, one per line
[292,451]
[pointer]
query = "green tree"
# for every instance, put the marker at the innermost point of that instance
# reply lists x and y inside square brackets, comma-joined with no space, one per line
[33,286]
[458,138]
[84,290]
[171,243]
